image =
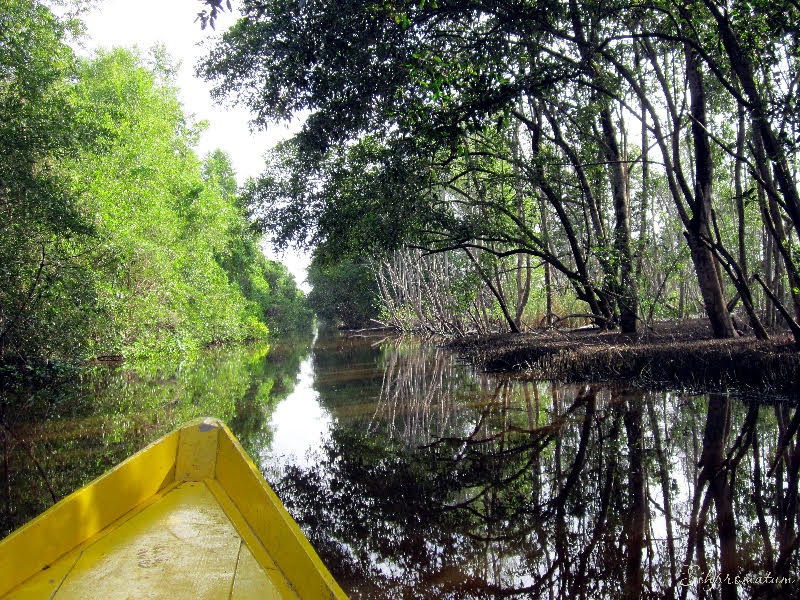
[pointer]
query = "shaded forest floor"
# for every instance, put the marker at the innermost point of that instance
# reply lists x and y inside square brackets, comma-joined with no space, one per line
[672,353]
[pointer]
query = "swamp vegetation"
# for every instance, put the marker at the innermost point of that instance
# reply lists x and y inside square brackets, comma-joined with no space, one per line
[503,166]
[599,196]
[115,238]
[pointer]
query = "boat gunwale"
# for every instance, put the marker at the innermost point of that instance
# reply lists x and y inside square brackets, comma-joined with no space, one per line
[182,455]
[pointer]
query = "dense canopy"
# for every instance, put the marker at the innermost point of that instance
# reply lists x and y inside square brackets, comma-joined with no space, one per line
[115,237]
[624,146]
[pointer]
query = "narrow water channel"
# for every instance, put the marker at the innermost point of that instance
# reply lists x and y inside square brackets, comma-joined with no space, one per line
[415,476]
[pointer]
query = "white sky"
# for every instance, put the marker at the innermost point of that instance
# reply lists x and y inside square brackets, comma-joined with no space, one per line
[144,23]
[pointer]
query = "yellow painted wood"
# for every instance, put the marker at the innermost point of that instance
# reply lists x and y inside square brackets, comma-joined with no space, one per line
[271,523]
[197,451]
[48,580]
[188,517]
[252,582]
[39,543]
[249,539]
[180,547]
[45,583]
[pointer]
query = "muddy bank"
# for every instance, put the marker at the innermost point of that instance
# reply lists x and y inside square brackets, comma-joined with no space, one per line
[673,354]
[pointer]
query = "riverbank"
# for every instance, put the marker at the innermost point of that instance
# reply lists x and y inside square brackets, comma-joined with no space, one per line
[683,354]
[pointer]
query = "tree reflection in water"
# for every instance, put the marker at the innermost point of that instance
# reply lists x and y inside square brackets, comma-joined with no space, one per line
[55,439]
[454,485]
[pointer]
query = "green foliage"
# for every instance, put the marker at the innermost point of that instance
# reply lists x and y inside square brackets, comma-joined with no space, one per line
[270,290]
[159,222]
[41,124]
[444,126]
[286,310]
[432,156]
[367,198]
[115,238]
[344,292]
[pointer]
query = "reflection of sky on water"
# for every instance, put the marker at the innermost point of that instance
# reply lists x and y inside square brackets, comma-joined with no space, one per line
[301,426]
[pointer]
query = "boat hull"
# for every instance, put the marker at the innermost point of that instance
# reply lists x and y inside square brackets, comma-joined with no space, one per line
[188,516]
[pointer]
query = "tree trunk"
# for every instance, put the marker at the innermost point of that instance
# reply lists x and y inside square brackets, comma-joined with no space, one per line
[737,176]
[548,284]
[698,232]
[623,260]
[512,326]
[756,104]
[645,196]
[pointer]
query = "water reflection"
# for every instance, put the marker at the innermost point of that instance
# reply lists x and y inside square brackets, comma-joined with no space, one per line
[299,423]
[416,477]
[436,482]
[56,439]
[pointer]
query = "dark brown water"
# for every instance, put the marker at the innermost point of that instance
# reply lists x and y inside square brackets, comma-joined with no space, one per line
[416,477]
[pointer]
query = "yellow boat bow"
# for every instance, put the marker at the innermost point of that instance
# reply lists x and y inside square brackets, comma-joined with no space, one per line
[189,516]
